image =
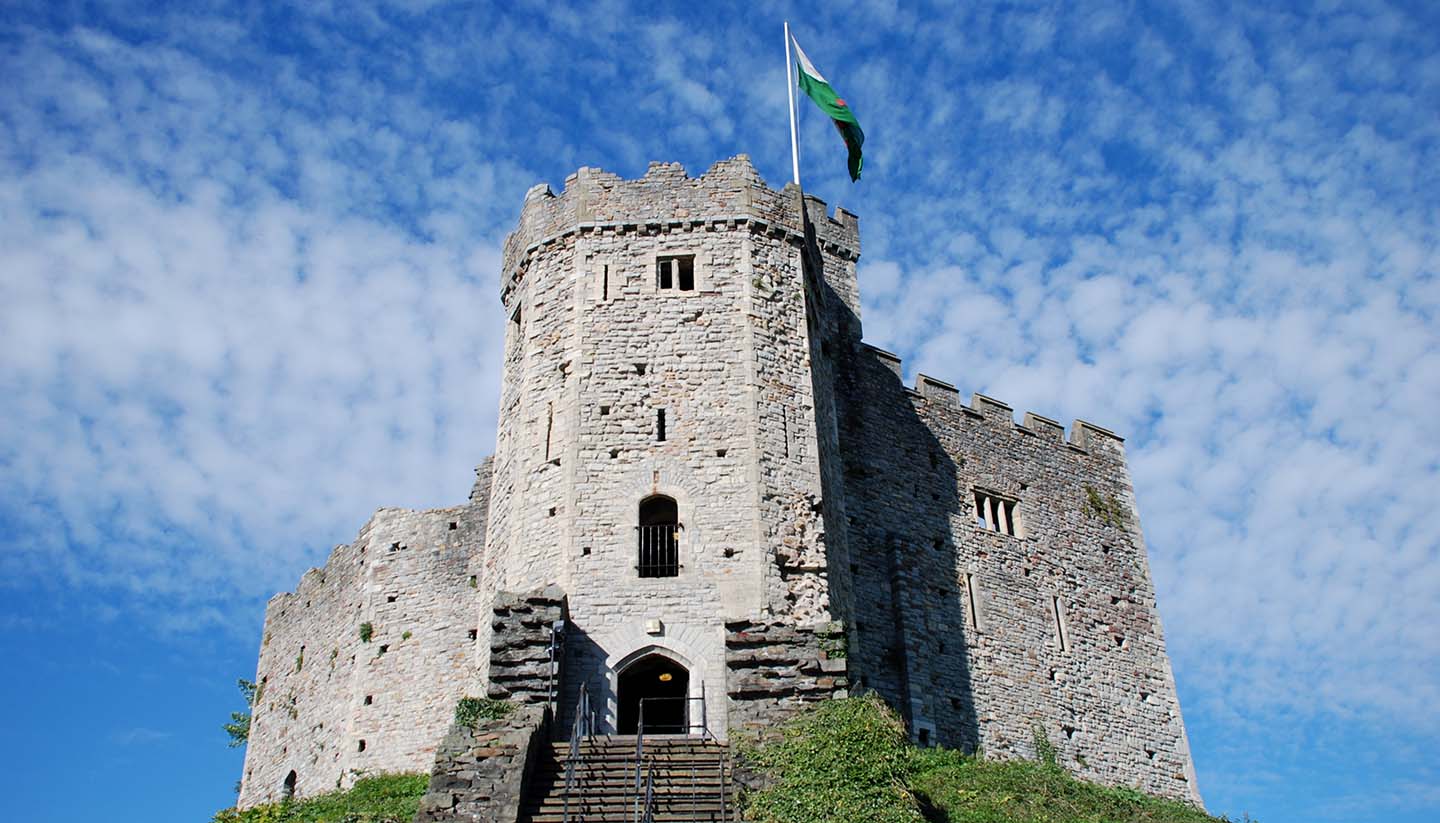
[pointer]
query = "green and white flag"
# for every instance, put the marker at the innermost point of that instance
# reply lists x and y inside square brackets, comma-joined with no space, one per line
[814,84]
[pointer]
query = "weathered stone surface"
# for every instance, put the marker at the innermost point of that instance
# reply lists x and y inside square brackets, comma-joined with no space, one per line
[480,771]
[828,529]
[407,573]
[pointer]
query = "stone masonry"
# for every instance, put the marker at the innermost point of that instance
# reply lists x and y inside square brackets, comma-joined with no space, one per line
[836,530]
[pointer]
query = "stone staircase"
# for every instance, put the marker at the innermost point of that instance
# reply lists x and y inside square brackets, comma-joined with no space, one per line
[691,782]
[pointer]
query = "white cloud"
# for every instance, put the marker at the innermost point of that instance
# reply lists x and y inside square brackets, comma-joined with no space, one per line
[248,284]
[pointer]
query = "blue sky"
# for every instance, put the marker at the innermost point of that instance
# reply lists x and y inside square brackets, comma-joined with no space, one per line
[248,293]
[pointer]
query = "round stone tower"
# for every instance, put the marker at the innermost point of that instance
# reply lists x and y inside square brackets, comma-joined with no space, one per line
[659,450]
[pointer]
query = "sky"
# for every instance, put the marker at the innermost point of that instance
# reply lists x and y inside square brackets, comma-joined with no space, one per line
[249,293]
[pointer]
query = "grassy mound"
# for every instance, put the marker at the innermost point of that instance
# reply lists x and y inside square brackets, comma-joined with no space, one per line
[845,761]
[387,798]
[849,760]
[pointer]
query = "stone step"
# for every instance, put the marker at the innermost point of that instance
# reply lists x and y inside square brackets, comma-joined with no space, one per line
[691,781]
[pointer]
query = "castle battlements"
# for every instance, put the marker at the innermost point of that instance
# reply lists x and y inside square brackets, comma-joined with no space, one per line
[730,195]
[943,395]
[710,499]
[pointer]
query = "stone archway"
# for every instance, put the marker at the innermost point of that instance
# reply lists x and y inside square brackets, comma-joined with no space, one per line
[662,685]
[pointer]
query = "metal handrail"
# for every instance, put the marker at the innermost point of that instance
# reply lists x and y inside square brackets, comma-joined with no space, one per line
[645,771]
[687,727]
[581,728]
[648,815]
[557,643]
[639,754]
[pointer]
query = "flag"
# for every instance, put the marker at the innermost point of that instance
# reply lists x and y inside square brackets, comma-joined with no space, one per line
[818,88]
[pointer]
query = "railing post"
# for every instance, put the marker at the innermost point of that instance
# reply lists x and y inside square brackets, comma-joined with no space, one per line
[639,754]
[577,728]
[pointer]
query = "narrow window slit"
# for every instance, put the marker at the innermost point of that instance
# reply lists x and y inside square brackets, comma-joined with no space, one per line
[1058,611]
[970,596]
[549,427]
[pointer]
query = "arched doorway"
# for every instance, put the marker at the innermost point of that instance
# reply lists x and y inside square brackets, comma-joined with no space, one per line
[664,685]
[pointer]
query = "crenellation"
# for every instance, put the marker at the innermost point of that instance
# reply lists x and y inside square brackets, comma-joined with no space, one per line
[701,470]
[1044,427]
[937,391]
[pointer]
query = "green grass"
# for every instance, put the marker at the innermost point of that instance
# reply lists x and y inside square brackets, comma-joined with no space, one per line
[471,710]
[849,760]
[387,798]
[959,789]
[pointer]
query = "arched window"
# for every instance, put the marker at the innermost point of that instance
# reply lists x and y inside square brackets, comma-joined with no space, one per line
[659,537]
[287,791]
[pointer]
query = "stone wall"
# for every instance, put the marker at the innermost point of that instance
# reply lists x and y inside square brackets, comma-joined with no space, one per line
[333,706]
[776,669]
[525,658]
[480,771]
[811,486]
[957,625]
[596,351]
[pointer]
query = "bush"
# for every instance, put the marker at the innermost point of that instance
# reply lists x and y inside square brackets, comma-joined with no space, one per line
[843,761]
[471,710]
[386,798]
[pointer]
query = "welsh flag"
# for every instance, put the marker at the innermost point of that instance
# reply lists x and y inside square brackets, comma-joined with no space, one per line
[814,84]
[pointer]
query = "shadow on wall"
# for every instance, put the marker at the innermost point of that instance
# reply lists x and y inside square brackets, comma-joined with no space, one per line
[907,608]
[584,664]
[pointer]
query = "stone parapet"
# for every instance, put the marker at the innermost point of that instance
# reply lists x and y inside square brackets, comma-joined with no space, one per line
[525,659]
[775,669]
[940,395]
[666,198]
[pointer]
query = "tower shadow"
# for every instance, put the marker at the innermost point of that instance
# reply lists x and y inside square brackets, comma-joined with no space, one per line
[903,594]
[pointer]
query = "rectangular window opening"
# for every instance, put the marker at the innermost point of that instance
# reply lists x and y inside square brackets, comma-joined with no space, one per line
[675,272]
[549,426]
[659,538]
[660,425]
[971,606]
[604,282]
[994,513]
[785,428]
[686,278]
[1060,636]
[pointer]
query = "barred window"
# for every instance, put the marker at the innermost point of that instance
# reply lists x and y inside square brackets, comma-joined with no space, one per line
[658,537]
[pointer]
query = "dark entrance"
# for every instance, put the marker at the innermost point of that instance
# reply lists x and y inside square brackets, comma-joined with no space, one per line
[663,684]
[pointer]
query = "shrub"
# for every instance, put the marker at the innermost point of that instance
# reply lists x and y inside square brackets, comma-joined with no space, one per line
[367,631]
[842,761]
[239,726]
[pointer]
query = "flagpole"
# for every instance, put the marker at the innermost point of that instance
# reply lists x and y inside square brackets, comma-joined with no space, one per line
[790,93]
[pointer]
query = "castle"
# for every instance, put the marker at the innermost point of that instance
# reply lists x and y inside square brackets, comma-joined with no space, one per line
[707,487]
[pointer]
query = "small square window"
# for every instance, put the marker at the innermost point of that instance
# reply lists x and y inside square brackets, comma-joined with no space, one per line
[675,272]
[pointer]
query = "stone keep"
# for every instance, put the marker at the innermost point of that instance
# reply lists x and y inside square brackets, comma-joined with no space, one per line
[697,342]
